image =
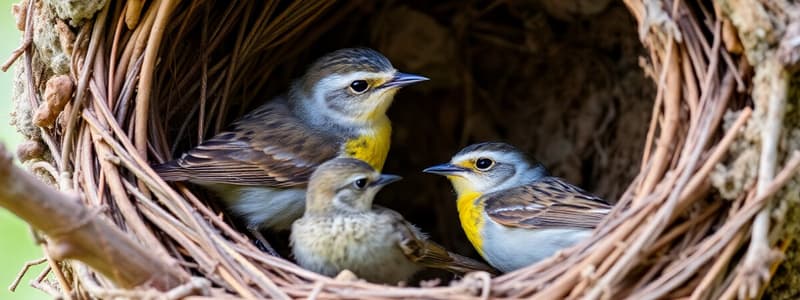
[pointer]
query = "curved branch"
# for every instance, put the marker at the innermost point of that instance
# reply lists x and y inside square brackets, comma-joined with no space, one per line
[75,232]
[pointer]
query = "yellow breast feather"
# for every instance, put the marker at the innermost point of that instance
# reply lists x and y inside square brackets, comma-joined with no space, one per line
[373,146]
[469,213]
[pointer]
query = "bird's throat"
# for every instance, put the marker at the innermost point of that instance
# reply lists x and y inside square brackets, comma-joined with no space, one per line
[372,144]
[469,212]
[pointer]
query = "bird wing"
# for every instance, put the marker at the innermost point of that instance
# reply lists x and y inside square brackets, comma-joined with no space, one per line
[546,203]
[420,250]
[268,147]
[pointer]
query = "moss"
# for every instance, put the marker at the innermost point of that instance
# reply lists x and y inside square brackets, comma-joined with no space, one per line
[733,177]
[791,120]
[46,39]
[77,11]
[21,117]
[52,40]
[758,29]
[785,283]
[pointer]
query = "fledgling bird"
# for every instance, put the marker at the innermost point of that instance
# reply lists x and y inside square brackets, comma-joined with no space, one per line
[342,230]
[260,166]
[512,211]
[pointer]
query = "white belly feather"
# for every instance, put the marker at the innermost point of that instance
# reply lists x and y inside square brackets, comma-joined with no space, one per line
[509,249]
[262,207]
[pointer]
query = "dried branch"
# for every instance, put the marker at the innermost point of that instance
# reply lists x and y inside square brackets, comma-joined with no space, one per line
[759,255]
[77,233]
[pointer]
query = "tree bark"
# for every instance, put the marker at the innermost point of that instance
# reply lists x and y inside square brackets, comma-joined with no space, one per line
[75,232]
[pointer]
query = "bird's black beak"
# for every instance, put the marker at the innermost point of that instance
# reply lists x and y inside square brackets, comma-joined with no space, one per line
[445,169]
[403,79]
[385,179]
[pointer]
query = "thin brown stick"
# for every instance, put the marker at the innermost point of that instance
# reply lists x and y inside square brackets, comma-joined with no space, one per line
[80,92]
[719,151]
[146,77]
[25,268]
[758,255]
[56,269]
[704,288]
[672,96]
[133,10]
[26,40]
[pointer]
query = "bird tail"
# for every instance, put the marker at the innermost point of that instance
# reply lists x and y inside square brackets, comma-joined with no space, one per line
[433,255]
[462,264]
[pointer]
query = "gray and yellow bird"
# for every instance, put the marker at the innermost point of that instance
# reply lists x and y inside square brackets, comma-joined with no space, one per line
[342,230]
[512,211]
[261,165]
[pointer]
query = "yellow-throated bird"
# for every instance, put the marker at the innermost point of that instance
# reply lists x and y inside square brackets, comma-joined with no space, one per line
[261,165]
[341,229]
[512,211]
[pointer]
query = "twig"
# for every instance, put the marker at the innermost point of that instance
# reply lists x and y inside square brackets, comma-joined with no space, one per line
[45,287]
[28,265]
[26,41]
[759,254]
[133,10]
[51,212]
[43,274]
[672,95]
[147,72]
[80,92]
[262,280]
[703,289]
[717,154]
[56,269]
[316,291]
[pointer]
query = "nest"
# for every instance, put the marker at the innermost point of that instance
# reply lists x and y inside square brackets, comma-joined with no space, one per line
[706,109]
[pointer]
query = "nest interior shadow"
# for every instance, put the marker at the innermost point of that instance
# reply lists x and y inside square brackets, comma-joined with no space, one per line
[569,92]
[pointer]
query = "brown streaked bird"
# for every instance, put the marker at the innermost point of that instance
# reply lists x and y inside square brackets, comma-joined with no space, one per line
[512,211]
[342,230]
[260,166]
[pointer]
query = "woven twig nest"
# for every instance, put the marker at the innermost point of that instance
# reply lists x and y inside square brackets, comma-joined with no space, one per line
[108,88]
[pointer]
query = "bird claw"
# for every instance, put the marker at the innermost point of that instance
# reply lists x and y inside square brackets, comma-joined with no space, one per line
[756,270]
[262,243]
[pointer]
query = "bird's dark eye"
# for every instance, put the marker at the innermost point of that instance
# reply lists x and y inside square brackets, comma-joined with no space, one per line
[359,86]
[360,183]
[484,164]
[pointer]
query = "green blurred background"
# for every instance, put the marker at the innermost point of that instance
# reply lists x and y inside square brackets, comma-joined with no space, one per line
[16,245]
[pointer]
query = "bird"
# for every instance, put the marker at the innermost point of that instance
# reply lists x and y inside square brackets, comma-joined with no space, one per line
[512,210]
[261,164]
[342,230]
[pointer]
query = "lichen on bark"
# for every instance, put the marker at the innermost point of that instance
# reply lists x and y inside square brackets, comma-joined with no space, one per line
[76,11]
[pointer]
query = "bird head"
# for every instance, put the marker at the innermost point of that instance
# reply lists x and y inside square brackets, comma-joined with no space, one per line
[344,185]
[488,167]
[353,85]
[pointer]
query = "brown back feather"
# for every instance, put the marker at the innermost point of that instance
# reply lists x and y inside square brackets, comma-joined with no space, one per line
[268,147]
[419,249]
[546,203]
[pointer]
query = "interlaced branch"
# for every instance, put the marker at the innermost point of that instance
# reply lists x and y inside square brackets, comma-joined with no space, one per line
[74,232]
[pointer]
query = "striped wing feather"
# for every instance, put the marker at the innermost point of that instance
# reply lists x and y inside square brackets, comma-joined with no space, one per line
[422,251]
[268,147]
[546,203]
